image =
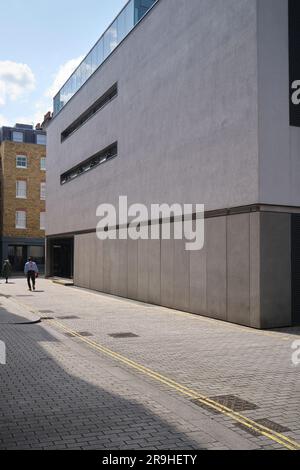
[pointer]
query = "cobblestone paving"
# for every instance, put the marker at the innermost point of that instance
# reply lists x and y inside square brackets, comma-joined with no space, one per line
[59,393]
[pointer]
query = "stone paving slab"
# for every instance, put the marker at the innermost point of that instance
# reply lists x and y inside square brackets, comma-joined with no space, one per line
[211,357]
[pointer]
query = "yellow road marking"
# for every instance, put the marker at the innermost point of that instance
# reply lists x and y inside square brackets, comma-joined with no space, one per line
[260,429]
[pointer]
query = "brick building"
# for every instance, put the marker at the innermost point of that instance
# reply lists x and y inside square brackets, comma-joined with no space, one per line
[23,186]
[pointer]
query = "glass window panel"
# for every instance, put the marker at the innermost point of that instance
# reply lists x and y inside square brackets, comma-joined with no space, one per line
[21,161]
[43,163]
[42,220]
[37,253]
[110,39]
[41,139]
[20,219]
[21,189]
[121,26]
[43,191]
[129,16]
[100,51]
[18,136]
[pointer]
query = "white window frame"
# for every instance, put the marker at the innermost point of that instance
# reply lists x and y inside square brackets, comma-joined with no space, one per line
[20,225]
[42,220]
[22,167]
[43,167]
[21,194]
[19,133]
[43,191]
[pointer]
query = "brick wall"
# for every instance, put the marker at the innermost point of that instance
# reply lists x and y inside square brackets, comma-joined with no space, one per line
[33,205]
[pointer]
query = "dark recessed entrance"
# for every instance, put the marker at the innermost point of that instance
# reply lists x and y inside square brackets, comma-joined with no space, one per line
[61,253]
[296,269]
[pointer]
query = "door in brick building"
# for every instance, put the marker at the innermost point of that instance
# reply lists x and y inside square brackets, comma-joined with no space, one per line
[17,255]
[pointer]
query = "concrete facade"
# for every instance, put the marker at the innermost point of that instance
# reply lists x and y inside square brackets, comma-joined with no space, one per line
[201,117]
[237,277]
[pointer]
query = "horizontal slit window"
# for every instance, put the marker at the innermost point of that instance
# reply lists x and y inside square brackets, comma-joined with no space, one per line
[90,112]
[98,159]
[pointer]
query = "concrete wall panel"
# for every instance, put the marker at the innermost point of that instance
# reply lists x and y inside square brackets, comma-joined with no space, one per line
[255,320]
[132,269]
[181,276]
[238,269]
[276,270]
[198,299]
[215,235]
[167,270]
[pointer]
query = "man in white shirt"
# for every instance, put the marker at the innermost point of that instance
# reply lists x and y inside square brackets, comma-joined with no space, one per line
[31,271]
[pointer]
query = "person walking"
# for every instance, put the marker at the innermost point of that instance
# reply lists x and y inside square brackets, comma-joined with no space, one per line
[31,271]
[6,270]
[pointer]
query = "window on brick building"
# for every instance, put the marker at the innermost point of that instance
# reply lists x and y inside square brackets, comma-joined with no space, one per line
[43,191]
[43,220]
[43,163]
[41,139]
[18,136]
[21,219]
[21,161]
[21,189]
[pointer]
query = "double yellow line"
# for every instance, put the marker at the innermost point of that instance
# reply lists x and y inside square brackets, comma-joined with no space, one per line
[279,438]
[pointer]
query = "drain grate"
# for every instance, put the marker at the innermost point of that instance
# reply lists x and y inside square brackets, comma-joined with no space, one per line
[234,403]
[81,333]
[47,318]
[123,335]
[272,425]
[69,317]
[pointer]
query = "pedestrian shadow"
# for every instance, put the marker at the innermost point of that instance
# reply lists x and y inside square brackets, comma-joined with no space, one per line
[53,398]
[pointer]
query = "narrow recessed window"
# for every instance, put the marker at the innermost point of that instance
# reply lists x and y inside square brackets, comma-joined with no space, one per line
[43,164]
[21,219]
[41,139]
[90,112]
[43,191]
[43,221]
[21,161]
[18,136]
[21,189]
[93,162]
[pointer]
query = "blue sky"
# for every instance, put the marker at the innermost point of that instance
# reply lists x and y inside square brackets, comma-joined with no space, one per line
[41,44]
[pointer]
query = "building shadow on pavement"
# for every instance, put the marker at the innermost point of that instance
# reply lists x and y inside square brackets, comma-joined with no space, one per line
[54,398]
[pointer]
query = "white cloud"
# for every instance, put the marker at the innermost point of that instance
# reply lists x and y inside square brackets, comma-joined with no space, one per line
[64,72]
[16,80]
[42,105]
[3,121]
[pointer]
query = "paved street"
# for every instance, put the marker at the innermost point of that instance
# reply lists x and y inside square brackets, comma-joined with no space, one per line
[99,372]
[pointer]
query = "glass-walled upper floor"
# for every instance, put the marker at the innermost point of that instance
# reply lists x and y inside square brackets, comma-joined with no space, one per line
[131,14]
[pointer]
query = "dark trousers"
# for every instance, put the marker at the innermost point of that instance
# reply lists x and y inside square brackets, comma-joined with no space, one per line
[31,278]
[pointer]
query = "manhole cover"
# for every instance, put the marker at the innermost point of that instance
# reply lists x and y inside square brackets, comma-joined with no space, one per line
[272,425]
[234,403]
[69,317]
[123,335]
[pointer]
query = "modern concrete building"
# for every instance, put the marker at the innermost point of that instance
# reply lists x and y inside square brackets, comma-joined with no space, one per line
[185,101]
[23,186]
